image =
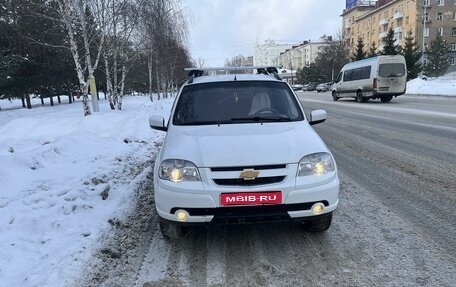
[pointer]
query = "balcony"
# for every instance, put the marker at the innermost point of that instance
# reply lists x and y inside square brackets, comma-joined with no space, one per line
[397,30]
[398,15]
[382,35]
[383,22]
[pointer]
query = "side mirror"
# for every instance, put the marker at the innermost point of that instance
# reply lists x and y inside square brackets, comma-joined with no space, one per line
[158,123]
[317,116]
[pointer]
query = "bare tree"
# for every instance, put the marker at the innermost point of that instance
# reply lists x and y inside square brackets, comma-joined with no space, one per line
[164,32]
[118,49]
[73,16]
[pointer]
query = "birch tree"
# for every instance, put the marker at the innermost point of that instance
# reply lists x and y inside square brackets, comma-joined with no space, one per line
[72,14]
[118,54]
[163,24]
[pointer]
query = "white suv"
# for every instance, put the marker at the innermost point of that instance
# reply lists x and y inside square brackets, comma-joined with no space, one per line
[239,149]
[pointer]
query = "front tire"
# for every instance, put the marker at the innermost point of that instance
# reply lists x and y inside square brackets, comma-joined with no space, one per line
[335,97]
[319,224]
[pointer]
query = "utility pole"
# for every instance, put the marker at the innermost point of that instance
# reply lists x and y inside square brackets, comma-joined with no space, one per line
[424,31]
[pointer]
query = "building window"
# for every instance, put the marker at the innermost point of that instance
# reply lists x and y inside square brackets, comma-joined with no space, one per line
[426,2]
[426,32]
[454,16]
[453,32]
[426,17]
[439,16]
[453,46]
[440,31]
[440,2]
[452,61]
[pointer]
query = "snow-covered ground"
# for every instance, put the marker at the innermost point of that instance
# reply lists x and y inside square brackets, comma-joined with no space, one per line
[442,86]
[57,190]
[60,182]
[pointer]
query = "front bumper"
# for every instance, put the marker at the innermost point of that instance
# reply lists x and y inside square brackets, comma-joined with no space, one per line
[204,207]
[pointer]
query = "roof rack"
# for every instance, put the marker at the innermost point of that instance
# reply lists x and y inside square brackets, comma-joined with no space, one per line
[265,70]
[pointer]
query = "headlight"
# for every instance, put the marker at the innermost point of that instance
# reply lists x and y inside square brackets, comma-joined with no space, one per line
[316,164]
[177,170]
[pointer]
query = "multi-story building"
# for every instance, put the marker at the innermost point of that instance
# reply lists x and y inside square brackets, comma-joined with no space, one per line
[266,53]
[301,55]
[371,20]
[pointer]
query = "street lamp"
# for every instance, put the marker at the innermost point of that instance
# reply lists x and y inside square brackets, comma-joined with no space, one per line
[424,31]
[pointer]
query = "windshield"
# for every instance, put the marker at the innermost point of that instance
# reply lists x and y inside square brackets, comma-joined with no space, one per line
[391,70]
[236,102]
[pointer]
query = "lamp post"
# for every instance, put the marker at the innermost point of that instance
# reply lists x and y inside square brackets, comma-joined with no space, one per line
[424,32]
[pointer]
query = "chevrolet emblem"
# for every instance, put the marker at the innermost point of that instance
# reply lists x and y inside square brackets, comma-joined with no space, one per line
[249,174]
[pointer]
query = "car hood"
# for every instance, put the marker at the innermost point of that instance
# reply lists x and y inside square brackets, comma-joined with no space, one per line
[242,144]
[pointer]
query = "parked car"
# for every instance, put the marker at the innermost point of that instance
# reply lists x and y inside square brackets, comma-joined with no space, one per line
[312,86]
[297,87]
[240,149]
[324,87]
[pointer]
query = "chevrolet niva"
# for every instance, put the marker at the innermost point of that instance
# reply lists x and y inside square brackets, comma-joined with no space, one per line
[240,149]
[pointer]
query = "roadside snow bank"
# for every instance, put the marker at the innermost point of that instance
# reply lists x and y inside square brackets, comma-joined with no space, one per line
[442,86]
[62,177]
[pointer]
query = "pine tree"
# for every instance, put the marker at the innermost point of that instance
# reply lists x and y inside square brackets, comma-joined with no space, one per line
[359,53]
[372,51]
[390,48]
[412,57]
[438,60]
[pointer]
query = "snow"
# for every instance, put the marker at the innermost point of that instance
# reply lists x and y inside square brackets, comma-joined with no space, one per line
[443,86]
[55,165]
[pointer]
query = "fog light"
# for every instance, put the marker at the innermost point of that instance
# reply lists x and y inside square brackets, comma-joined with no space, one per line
[181,215]
[318,208]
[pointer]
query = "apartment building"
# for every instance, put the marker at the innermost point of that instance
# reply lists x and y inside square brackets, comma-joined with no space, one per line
[300,55]
[371,20]
[266,53]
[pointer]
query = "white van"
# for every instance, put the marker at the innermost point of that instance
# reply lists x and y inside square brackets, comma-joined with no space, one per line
[381,77]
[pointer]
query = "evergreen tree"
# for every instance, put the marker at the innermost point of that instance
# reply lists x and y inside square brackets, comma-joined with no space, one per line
[389,46]
[311,73]
[372,51]
[438,60]
[359,53]
[412,57]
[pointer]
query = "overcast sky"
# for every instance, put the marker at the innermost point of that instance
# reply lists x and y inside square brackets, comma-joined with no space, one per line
[221,29]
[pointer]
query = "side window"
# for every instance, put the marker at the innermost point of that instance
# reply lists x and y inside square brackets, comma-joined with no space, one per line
[356,74]
[365,72]
[348,75]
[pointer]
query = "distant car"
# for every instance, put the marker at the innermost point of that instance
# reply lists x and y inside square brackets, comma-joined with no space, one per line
[312,86]
[297,87]
[324,87]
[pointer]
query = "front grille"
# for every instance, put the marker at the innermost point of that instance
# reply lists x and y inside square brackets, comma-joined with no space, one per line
[255,167]
[243,182]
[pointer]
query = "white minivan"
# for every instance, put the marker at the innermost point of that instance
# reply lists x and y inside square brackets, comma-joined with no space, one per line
[240,149]
[381,77]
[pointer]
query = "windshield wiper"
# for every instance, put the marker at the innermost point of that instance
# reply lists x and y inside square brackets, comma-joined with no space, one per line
[201,123]
[263,118]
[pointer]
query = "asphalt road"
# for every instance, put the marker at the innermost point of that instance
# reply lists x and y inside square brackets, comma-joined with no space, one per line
[395,225]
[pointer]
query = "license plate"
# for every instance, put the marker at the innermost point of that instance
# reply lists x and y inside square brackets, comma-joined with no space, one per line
[251,198]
